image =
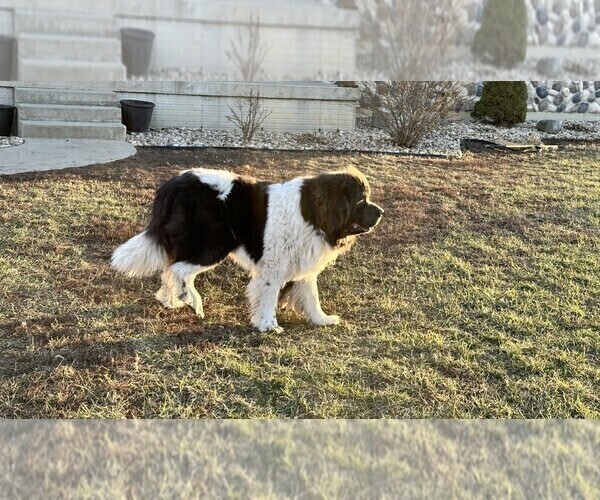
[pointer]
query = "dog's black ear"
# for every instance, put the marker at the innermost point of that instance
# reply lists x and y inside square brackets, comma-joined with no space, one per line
[326,204]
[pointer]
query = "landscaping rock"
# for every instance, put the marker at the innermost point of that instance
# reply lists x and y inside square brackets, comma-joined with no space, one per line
[583,39]
[542,15]
[542,92]
[549,126]
[550,66]
[445,140]
[7,142]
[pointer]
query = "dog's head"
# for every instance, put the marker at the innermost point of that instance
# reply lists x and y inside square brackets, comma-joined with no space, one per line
[338,204]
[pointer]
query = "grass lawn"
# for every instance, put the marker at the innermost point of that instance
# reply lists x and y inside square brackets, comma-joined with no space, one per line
[477,296]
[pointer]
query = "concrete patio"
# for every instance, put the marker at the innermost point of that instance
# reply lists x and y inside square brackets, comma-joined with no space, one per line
[53,154]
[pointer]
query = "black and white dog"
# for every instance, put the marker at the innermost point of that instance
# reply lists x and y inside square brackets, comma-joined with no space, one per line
[283,234]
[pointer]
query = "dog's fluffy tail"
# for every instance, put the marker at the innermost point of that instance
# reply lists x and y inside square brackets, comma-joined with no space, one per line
[140,256]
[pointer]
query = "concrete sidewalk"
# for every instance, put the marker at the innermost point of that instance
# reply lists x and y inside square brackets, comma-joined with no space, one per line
[51,154]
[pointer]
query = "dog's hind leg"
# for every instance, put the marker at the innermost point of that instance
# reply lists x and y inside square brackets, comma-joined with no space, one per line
[186,274]
[170,290]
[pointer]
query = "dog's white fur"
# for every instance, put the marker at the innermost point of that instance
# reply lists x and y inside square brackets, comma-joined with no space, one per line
[293,251]
[138,257]
[220,180]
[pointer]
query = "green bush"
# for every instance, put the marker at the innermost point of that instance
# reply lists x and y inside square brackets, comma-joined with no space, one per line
[503,103]
[502,37]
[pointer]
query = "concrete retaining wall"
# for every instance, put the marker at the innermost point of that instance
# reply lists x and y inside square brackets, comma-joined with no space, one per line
[303,39]
[7,95]
[295,106]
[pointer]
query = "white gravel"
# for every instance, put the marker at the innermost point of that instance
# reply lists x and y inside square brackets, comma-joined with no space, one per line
[443,141]
[462,67]
[7,142]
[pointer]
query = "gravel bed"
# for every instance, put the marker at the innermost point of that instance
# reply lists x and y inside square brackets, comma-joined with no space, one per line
[462,68]
[7,142]
[445,140]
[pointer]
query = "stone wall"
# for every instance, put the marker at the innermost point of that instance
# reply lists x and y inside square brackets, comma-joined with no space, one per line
[555,23]
[568,23]
[550,96]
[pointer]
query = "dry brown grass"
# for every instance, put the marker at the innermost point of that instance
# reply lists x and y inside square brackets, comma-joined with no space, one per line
[478,296]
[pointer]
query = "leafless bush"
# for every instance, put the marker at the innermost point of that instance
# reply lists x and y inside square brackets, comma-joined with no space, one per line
[248,51]
[248,114]
[410,109]
[405,39]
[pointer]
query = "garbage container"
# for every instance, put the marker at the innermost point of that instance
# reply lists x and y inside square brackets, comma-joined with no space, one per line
[136,47]
[7,116]
[136,115]
[7,47]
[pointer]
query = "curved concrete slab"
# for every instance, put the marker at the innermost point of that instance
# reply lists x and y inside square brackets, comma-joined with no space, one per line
[52,154]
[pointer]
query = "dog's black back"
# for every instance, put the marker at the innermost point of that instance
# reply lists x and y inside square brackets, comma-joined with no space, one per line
[194,225]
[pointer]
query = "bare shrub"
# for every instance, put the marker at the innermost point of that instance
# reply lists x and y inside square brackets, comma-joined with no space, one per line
[248,114]
[410,109]
[406,39]
[248,51]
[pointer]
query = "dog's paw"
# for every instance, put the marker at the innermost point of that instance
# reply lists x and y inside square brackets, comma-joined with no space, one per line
[327,320]
[168,301]
[268,326]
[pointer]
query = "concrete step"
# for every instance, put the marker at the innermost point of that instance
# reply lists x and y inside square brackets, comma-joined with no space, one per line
[74,71]
[71,130]
[38,95]
[43,21]
[68,47]
[68,112]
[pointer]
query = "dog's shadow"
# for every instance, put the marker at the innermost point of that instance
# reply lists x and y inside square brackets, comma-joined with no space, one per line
[209,335]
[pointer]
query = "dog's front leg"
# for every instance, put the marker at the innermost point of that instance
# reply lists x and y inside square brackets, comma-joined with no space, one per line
[263,292]
[305,293]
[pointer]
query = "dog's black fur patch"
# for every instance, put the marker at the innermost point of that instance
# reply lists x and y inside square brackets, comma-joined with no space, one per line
[247,208]
[195,226]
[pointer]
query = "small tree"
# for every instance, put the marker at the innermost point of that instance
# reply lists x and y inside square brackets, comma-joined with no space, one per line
[248,52]
[502,37]
[410,109]
[503,103]
[248,115]
[405,39]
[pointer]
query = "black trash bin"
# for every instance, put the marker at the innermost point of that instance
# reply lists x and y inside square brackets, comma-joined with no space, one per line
[7,116]
[136,115]
[7,47]
[137,50]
